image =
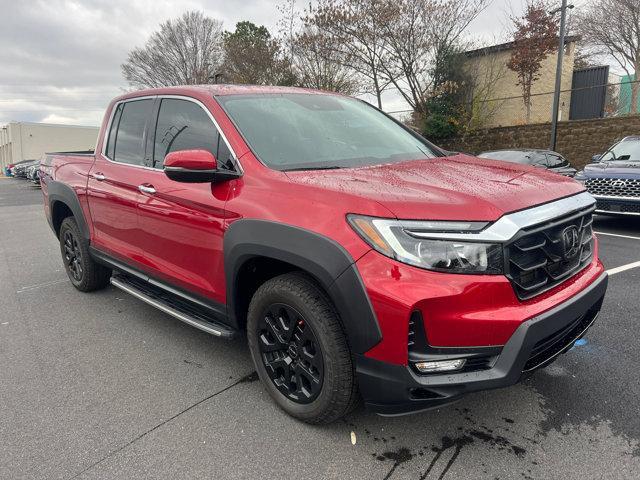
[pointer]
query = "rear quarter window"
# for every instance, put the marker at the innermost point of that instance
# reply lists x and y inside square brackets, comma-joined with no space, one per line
[127,145]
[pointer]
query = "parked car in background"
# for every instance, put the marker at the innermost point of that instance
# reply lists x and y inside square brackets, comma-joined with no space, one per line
[538,158]
[613,178]
[20,169]
[17,167]
[357,257]
[33,173]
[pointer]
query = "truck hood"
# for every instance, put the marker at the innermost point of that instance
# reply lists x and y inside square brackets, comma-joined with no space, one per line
[459,187]
[618,168]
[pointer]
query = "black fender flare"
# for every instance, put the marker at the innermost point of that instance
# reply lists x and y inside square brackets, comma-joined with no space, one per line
[319,256]
[60,192]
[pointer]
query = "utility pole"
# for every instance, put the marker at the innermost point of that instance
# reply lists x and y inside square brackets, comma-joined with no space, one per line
[556,93]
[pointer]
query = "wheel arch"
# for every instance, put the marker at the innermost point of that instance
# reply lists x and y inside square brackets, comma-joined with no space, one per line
[63,202]
[259,250]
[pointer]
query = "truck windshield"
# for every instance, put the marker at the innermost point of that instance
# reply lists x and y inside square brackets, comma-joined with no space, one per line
[301,131]
[628,150]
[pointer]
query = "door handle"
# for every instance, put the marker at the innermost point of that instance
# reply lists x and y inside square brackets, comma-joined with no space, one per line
[99,177]
[147,189]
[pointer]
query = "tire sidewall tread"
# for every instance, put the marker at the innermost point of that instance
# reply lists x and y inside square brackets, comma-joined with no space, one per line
[95,276]
[339,393]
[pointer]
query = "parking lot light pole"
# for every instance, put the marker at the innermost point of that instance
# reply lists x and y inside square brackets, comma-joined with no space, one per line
[556,93]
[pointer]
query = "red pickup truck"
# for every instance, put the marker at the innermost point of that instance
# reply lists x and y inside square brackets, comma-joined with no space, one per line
[361,260]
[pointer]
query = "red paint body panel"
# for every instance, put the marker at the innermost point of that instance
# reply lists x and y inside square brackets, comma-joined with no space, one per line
[113,205]
[458,310]
[191,159]
[74,170]
[177,233]
[458,187]
[181,232]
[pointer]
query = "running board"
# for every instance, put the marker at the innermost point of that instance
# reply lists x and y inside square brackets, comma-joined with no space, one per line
[182,309]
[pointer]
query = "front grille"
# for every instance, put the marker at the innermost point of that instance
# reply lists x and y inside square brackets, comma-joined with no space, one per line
[551,346]
[541,257]
[613,187]
[616,207]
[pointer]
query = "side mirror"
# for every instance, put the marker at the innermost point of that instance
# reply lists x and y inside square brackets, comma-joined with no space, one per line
[596,158]
[194,166]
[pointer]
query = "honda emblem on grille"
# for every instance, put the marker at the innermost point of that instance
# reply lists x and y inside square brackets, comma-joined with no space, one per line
[619,184]
[571,241]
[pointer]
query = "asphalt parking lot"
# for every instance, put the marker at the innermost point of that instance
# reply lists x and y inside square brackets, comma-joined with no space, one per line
[103,386]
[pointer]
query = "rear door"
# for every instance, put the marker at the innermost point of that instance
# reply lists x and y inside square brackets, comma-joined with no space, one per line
[114,180]
[181,224]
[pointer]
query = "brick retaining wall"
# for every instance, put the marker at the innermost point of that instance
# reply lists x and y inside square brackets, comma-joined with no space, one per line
[578,140]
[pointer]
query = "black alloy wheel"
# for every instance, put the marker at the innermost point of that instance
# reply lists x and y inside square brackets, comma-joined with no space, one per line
[300,350]
[290,353]
[85,274]
[73,256]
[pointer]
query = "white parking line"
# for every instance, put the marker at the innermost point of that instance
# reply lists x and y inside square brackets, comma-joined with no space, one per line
[622,268]
[40,285]
[616,235]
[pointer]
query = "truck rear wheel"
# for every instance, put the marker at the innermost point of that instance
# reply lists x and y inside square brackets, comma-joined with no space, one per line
[85,274]
[300,350]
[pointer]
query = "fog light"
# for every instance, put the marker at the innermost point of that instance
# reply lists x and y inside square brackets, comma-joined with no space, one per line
[440,366]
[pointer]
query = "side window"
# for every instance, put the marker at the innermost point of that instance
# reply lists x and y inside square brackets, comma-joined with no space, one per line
[128,144]
[556,161]
[607,157]
[111,140]
[224,156]
[184,125]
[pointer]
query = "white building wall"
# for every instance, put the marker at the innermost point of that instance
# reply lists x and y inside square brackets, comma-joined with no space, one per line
[24,141]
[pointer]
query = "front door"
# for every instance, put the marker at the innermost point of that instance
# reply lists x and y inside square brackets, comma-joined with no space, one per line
[113,186]
[182,224]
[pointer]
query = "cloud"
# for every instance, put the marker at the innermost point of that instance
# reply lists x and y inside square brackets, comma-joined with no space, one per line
[60,59]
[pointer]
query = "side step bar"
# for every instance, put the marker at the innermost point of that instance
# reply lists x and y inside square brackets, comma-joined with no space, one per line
[171,304]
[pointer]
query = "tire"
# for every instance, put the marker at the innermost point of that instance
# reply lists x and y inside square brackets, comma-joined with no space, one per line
[314,327]
[85,274]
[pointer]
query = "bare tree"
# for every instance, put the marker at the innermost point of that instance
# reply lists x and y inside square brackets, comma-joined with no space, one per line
[415,31]
[288,25]
[535,37]
[357,27]
[184,51]
[317,64]
[612,27]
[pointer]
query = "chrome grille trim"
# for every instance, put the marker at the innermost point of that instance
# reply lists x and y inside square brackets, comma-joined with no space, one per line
[614,187]
[508,226]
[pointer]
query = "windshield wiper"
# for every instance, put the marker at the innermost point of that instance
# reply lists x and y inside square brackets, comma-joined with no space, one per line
[329,167]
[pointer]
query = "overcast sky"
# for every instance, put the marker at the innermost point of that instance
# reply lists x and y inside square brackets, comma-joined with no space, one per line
[60,59]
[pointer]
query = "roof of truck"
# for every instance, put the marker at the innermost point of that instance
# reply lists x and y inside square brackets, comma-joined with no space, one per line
[222,89]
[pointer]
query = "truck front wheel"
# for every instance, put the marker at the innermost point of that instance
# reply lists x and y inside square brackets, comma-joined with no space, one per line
[300,350]
[85,274]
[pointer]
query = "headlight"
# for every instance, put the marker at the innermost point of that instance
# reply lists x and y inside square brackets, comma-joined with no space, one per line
[408,242]
[580,176]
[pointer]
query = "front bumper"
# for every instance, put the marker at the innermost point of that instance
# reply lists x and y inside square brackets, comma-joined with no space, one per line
[617,205]
[391,389]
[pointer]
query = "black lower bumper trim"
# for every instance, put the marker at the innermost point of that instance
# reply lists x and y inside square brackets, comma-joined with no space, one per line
[391,389]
